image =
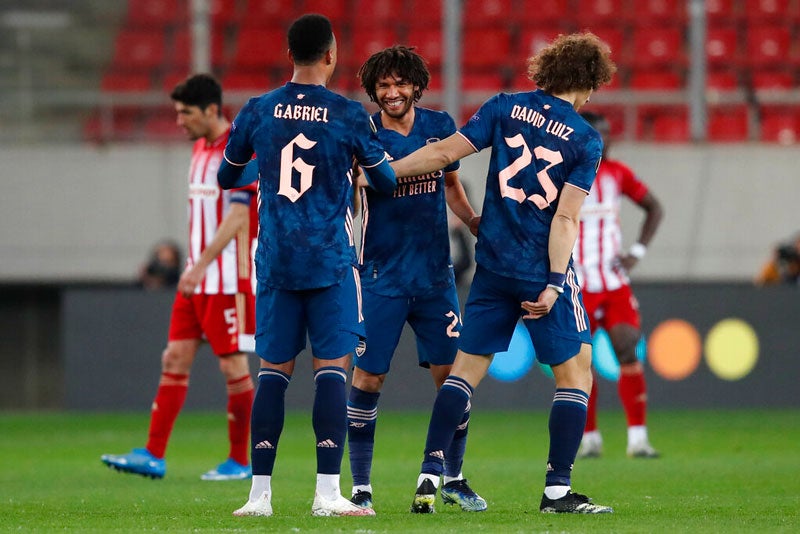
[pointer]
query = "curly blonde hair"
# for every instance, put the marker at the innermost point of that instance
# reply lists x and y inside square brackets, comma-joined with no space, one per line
[574,62]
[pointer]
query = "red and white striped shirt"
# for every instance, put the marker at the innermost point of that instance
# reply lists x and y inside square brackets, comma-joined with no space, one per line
[232,270]
[599,243]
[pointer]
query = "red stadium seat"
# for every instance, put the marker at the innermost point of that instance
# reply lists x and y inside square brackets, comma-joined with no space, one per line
[768,45]
[656,80]
[139,49]
[173,78]
[487,47]
[486,12]
[780,125]
[766,80]
[722,80]
[428,43]
[540,13]
[722,46]
[605,12]
[260,48]
[426,14]
[222,12]
[759,11]
[180,55]
[725,11]
[658,46]
[161,125]
[664,124]
[615,39]
[155,13]
[531,42]
[668,11]
[268,13]
[126,81]
[492,82]
[258,81]
[366,42]
[335,10]
[375,14]
[728,123]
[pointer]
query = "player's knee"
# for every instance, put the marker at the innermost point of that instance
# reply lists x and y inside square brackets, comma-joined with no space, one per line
[368,382]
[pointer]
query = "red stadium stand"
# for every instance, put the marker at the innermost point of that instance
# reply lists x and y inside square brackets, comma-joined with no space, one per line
[139,49]
[180,55]
[486,12]
[728,123]
[664,124]
[765,80]
[760,11]
[335,10]
[722,80]
[268,13]
[428,42]
[376,14]
[604,12]
[531,42]
[491,82]
[615,39]
[780,125]
[121,125]
[126,81]
[722,46]
[160,125]
[425,13]
[658,46]
[260,48]
[366,42]
[768,45]
[173,78]
[487,47]
[257,81]
[656,80]
[721,11]
[614,114]
[156,13]
[667,11]
[540,13]
[222,12]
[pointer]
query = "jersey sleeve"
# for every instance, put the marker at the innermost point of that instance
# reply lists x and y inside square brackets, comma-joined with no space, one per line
[239,149]
[479,129]
[367,147]
[631,186]
[583,174]
[448,129]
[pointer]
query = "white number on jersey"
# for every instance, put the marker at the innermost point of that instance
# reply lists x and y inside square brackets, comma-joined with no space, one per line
[288,165]
[553,157]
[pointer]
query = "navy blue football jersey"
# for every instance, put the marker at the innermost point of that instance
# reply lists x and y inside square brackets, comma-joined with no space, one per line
[306,138]
[406,247]
[539,144]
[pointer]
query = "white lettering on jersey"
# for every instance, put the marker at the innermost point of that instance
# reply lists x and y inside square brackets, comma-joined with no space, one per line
[300,113]
[288,165]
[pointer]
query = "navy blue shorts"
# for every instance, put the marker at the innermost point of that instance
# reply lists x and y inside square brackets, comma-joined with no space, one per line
[494,307]
[435,319]
[331,317]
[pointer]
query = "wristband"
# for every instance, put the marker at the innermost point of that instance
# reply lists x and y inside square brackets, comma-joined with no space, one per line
[556,281]
[637,250]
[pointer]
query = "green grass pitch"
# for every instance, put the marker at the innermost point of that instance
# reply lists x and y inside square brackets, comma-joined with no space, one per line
[721,471]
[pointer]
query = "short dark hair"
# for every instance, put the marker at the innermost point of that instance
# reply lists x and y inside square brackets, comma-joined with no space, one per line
[310,36]
[400,61]
[579,61]
[199,90]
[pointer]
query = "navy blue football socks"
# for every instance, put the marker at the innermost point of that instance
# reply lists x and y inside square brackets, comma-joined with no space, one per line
[454,457]
[362,416]
[329,418]
[266,421]
[567,419]
[448,410]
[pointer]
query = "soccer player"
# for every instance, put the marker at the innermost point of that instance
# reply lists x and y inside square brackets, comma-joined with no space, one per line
[543,161]
[602,267]
[215,300]
[307,139]
[406,270]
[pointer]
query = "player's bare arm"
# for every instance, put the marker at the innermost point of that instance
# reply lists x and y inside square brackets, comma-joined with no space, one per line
[433,157]
[458,202]
[563,232]
[654,213]
[238,218]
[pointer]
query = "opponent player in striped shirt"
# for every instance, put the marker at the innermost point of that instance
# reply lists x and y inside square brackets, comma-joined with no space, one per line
[602,266]
[307,139]
[543,162]
[406,270]
[215,300]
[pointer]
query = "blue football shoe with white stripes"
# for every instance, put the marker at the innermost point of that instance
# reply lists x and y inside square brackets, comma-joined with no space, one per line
[138,462]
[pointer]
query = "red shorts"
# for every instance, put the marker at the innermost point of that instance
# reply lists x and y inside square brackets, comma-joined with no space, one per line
[227,322]
[610,308]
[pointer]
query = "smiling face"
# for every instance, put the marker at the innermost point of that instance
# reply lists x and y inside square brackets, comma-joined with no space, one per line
[395,96]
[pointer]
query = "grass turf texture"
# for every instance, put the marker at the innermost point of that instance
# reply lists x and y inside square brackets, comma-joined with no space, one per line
[721,471]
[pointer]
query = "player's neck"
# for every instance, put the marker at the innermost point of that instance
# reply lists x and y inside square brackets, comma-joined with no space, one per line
[310,75]
[402,125]
[219,129]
